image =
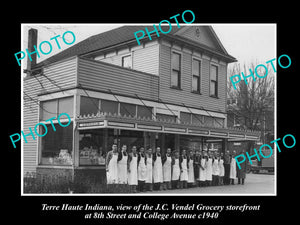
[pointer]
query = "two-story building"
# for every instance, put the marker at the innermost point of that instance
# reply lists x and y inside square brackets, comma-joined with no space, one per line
[168,92]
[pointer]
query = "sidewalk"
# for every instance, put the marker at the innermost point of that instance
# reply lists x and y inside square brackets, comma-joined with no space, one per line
[254,184]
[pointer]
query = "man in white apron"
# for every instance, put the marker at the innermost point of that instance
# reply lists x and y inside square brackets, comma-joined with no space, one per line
[132,170]
[167,169]
[191,174]
[142,170]
[184,170]
[203,165]
[149,178]
[157,169]
[215,169]
[175,170]
[209,169]
[122,166]
[221,169]
[112,165]
[232,168]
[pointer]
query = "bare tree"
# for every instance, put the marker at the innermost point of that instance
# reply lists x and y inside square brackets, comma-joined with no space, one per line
[255,97]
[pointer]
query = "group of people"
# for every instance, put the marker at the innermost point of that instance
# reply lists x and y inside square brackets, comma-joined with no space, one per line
[148,170]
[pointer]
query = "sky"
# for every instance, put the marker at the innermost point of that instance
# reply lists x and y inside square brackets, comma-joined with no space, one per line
[246,42]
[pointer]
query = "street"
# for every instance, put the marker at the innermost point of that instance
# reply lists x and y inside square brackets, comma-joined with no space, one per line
[254,184]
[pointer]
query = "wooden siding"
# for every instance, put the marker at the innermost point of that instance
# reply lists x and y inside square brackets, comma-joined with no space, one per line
[185,95]
[147,59]
[144,58]
[100,76]
[62,74]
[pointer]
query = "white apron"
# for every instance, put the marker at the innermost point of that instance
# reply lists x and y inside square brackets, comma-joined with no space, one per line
[122,170]
[202,172]
[215,167]
[167,169]
[149,170]
[184,172]
[191,175]
[157,170]
[176,170]
[132,175]
[232,169]
[112,174]
[221,168]
[142,170]
[209,169]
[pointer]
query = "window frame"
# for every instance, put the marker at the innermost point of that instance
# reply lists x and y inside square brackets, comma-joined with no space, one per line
[199,76]
[215,95]
[39,140]
[179,72]
[122,60]
[56,100]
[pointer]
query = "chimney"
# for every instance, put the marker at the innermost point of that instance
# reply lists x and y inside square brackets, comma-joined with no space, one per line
[32,40]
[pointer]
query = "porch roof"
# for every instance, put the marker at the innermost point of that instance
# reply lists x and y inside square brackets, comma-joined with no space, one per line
[104,120]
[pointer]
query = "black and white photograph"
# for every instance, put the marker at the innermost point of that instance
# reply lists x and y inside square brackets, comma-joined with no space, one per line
[169,115]
[149,109]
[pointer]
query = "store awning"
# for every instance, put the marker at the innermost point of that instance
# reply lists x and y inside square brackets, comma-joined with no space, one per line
[114,121]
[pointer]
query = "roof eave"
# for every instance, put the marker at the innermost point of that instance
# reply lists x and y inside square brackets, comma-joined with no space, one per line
[228,58]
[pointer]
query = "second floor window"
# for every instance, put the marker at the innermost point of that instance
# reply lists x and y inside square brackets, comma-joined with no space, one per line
[213,88]
[126,61]
[176,70]
[196,76]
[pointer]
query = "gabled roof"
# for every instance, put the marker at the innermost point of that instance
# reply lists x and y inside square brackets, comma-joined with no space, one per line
[118,36]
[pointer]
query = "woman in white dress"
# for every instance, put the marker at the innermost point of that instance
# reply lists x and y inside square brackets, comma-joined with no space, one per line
[202,172]
[157,169]
[149,178]
[191,174]
[122,166]
[112,165]
[232,175]
[184,169]
[142,170]
[221,169]
[209,169]
[167,169]
[175,170]
[132,170]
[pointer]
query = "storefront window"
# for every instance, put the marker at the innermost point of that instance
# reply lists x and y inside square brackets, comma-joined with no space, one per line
[109,106]
[91,147]
[88,105]
[185,117]
[143,111]
[125,137]
[213,146]
[57,145]
[127,109]
[197,120]
[208,121]
[49,109]
[190,142]
[55,107]
[219,122]
[164,117]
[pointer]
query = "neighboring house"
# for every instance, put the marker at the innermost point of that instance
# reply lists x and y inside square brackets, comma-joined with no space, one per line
[169,92]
